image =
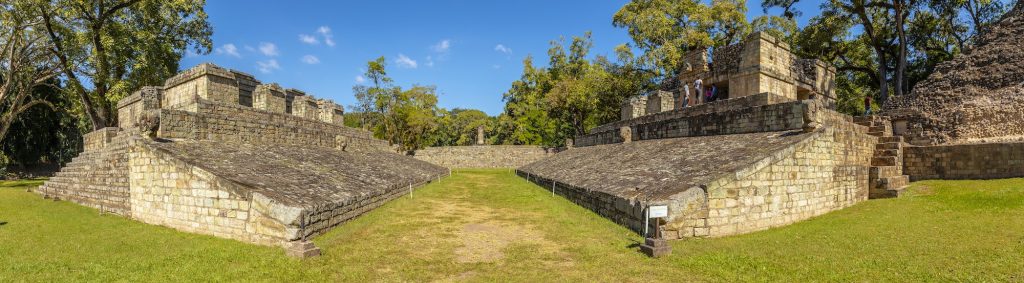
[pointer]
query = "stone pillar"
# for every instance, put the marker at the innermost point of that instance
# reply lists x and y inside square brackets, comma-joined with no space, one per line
[305,106]
[634,107]
[205,81]
[331,112]
[269,97]
[480,135]
[659,101]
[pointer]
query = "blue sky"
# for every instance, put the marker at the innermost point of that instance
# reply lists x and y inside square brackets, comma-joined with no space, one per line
[471,50]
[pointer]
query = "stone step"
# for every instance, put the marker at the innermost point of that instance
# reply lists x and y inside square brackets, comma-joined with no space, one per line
[888,152]
[877,172]
[889,145]
[885,161]
[889,187]
[889,139]
[879,133]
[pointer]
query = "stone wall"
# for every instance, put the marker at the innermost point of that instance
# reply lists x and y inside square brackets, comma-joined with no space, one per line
[660,101]
[330,112]
[205,81]
[700,109]
[634,107]
[305,106]
[168,192]
[764,118]
[269,97]
[130,109]
[825,173]
[483,156]
[964,161]
[206,120]
[99,139]
[725,185]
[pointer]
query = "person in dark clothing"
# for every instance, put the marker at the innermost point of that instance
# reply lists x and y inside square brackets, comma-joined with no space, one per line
[867,105]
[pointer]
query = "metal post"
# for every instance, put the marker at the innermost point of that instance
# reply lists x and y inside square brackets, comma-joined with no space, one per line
[302,225]
[553,185]
[410,189]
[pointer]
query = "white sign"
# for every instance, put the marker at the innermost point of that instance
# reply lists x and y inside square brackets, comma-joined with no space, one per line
[657,211]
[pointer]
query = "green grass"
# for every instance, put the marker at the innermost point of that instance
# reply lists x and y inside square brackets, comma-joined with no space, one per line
[489,225]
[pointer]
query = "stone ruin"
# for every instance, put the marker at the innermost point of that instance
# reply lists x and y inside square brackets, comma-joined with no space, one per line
[771,152]
[214,151]
[759,64]
[976,97]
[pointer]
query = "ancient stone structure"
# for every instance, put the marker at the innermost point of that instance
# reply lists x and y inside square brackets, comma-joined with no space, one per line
[770,152]
[484,156]
[192,156]
[976,97]
[965,120]
[760,64]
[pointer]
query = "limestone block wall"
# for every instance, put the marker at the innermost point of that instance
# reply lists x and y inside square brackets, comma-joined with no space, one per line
[659,101]
[330,112]
[964,161]
[765,118]
[205,81]
[99,139]
[483,156]
[206,120]
[700,109]
[168,192]
[634,107]
[269,97]
[305,107]
[131,108]
[822,174]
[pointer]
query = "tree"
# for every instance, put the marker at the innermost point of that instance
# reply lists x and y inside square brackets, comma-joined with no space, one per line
[402,117]
[25,66]
[107,49]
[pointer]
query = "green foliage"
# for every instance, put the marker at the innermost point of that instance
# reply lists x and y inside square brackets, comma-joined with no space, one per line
[42,134]
[108,49]
[570,96]
[459,127]
[402,117]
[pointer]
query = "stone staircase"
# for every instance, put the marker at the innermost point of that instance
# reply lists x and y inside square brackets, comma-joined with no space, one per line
[886,179]
[96,178]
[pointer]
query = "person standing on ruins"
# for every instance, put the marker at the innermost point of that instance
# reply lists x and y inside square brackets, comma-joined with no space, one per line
[698,86]
[685,97]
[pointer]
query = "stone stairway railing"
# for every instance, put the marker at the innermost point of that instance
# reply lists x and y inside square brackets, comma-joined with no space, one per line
[886,178]
[96,178]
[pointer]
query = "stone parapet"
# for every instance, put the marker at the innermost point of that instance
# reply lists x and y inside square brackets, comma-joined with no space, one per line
[269,97]
[330,112]
[131,108]
[238,124]
[306,107]
[964,161]
[484,156]
[204,81]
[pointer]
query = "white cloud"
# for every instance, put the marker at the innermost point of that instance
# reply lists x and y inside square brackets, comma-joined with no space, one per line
[268,66]
[268,49]
[430,61]
[310,59]
[404,62]
[308,39]
[360,79]
[325,31]
[503,49]
[442,46]
[228,49]
[496,67]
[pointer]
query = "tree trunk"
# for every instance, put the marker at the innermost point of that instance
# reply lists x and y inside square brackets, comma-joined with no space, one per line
[899,6]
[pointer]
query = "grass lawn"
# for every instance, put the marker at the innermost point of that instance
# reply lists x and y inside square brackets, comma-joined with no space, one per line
[489,225]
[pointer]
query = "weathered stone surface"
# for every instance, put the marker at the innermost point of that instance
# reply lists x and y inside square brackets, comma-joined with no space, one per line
[976,97]
[717,185]
[213,165]
[964,161]
[484,156]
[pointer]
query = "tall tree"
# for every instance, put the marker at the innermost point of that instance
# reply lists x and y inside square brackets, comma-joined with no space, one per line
[402,117]
[25,66]
[108,48]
